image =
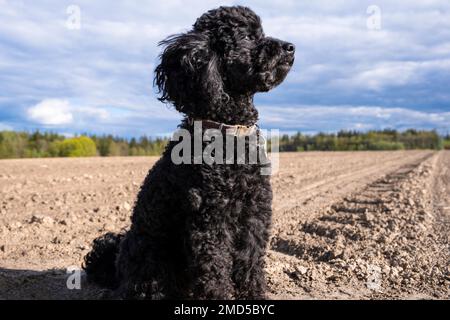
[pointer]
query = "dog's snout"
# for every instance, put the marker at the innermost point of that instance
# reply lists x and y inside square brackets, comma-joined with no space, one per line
[288,47]
[279,44]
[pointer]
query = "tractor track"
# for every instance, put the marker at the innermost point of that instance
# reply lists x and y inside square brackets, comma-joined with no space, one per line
[377,242]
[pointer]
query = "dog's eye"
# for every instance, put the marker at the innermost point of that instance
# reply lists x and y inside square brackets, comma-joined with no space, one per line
[248,38]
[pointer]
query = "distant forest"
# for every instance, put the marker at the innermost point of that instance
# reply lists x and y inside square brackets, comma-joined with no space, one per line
[360,141]
[46,144]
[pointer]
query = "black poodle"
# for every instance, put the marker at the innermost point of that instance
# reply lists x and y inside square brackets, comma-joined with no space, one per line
[200,231]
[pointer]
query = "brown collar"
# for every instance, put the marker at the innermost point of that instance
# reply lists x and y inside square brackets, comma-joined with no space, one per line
[234,130]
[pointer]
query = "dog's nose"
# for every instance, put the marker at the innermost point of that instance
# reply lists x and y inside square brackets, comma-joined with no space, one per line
[288,47]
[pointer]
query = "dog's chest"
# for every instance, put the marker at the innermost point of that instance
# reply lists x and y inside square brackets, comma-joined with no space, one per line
[234,188]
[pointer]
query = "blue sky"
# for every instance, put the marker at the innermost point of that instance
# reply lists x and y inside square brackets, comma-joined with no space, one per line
[351,72]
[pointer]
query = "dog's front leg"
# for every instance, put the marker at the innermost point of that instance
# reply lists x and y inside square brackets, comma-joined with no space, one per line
[248,273]
[211,262]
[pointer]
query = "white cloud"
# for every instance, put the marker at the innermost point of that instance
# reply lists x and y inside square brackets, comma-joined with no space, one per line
[334,118]
[337,48]
[104,70]
[394,73]
[60,112]
[51,112]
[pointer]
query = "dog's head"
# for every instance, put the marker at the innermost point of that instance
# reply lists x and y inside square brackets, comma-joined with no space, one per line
[225,55]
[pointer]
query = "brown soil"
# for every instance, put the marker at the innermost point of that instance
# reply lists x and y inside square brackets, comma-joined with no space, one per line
[364,225]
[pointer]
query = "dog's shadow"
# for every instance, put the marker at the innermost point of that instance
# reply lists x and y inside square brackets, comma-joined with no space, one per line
[53,284]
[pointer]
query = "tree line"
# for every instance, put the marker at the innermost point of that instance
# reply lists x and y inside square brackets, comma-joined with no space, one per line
[47,144]
[370,140]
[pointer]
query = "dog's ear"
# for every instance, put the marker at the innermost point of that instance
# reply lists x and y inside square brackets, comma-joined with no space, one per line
[188,75]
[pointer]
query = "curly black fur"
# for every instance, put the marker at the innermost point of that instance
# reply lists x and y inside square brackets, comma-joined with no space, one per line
[200,231]
[99,264]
